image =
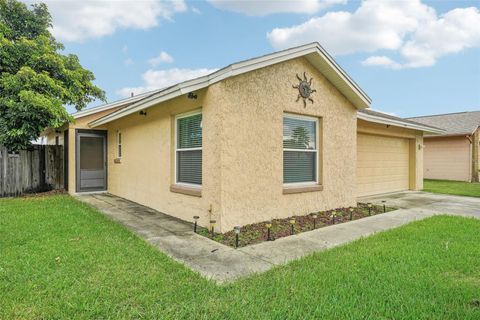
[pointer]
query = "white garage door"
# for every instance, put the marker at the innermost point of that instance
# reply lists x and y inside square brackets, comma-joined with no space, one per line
[447,158]
[382,164]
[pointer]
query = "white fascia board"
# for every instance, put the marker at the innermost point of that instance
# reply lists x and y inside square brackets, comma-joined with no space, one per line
[397,123]
[230,71]
[108,106]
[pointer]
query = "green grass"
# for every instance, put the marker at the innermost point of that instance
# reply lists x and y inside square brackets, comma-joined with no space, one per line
[458,188]
[61,259]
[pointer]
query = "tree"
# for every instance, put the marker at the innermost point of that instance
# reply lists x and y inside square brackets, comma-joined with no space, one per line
[36,80]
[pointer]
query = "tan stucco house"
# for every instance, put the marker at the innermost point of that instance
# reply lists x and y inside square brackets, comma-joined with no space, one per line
[453,155]
[283,134]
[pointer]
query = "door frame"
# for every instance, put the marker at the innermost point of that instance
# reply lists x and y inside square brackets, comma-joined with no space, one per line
[91,133]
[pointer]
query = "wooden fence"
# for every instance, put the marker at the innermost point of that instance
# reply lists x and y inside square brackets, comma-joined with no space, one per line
[40,168]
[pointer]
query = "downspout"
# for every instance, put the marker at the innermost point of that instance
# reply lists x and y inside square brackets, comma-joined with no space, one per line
[470,167]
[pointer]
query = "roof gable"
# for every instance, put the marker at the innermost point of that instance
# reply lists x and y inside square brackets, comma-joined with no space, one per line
[313,52]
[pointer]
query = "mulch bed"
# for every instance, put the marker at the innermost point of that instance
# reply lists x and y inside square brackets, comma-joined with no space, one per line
[257,232]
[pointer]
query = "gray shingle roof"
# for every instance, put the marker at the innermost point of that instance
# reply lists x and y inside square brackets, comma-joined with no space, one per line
[460,123]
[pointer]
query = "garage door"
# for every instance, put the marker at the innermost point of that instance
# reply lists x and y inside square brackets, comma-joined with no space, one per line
[382,164]
[447,158]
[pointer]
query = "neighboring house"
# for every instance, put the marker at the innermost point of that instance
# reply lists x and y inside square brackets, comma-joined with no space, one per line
[269,137]
[453,155]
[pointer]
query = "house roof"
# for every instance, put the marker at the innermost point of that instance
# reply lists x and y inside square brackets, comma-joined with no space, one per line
[111,105]
[384,118]
[313,52]
[460,123]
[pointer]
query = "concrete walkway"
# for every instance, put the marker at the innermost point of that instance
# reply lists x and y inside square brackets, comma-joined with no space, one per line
[222,263]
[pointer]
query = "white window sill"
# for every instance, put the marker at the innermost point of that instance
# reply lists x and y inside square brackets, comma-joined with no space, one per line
[290,189]
[190,191]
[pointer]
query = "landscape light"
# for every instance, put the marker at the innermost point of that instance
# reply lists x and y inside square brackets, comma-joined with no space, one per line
[195,223]
[314,216]
[268,224]
[369,205]
[212,226]
[292,223]
[237,235]
[351,213]
[384,207]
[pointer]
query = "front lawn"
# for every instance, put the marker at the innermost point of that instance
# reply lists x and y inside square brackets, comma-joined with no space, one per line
[458,188]
[62,259]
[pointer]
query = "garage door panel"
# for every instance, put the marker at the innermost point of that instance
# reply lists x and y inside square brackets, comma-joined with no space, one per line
[382,164]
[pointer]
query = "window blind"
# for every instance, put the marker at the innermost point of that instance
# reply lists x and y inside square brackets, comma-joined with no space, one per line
[189,149]
[299,150]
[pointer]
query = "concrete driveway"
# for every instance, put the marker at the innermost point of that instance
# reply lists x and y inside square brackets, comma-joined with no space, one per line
[429,202]
[221,263]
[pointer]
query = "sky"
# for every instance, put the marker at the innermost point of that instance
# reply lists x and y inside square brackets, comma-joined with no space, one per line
[411,57]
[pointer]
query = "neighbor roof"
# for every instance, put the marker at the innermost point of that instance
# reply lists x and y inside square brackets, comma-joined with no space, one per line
[461,123]
[384,118]
[313,52]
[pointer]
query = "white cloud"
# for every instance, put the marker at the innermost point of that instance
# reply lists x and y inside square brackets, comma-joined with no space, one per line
[266,7]
[410,28]
[157,79]
[79,20]
[163,57]
[382,61]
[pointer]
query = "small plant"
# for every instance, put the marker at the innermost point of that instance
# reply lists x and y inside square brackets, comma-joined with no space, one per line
[333,216]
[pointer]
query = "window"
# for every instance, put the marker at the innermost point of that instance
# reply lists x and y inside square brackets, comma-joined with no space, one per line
[300,149]
[188,162]
[119,144]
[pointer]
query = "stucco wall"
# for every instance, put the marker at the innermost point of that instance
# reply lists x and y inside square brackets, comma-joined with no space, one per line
[242,150]
[146,170]
[252,145]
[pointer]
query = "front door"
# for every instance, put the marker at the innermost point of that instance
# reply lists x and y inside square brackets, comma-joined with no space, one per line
[91,160]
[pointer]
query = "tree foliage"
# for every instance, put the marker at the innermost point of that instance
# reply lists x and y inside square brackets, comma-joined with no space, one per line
[36,79]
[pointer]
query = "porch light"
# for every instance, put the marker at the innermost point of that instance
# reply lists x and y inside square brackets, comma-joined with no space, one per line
[314,216]
[268,224]
[384,207]
[351,213]
[237,235]
[292,223]
[195,223]
[369,205]
[212,227]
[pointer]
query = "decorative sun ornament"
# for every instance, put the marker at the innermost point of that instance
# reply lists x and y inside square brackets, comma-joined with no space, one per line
[304,89]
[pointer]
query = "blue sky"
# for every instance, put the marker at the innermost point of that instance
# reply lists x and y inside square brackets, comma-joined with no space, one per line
[411,57]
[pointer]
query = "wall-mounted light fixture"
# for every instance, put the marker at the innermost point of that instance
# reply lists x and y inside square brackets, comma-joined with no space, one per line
[143,113]
[191,95]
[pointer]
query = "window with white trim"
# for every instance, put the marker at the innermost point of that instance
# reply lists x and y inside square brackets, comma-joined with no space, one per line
[188,149]
[119,144]
[300,149]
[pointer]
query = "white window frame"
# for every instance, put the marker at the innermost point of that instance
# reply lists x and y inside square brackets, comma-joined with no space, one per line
[119,143]
[177,117]
[317,149]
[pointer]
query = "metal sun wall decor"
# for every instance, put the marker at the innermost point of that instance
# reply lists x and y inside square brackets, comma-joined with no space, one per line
[304,89]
